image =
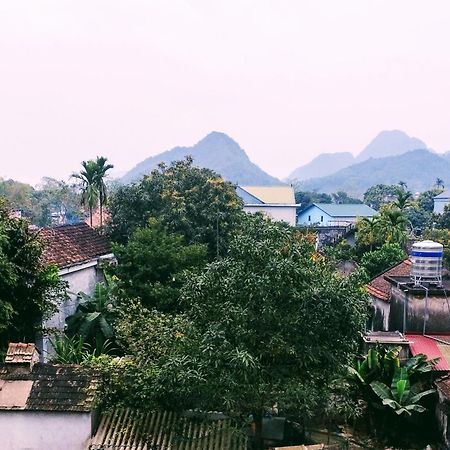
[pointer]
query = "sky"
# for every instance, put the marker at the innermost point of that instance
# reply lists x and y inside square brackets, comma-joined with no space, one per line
[287,79]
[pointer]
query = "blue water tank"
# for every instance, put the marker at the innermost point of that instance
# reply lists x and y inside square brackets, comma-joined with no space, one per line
[426,259]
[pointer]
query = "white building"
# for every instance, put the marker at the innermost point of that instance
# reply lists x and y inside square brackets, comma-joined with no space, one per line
[44,406]
[277,202]
[78,251]
[441,201]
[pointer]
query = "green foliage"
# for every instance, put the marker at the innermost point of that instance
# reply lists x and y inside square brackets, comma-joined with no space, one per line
[307,198]
[426,199]
[380,194]
[378,261]
[189,200]
[29,292]
[342,251]
[342,197]
[271,322]
[443,237]
[93,318]
[150,266]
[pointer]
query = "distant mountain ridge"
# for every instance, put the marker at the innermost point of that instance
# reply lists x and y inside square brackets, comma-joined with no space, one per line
[418,168]
[386,143]
[216,151]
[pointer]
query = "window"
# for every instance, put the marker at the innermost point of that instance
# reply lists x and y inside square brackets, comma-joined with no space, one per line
[321,218]
[309,218]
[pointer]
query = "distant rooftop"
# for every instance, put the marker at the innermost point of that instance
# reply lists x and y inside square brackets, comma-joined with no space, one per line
[444,195]
[345,210]
[272,194]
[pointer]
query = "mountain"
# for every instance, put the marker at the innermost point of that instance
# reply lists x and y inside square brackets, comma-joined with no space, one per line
[418,168]
[385,143]
[390,143]
[216,151]
[323,165]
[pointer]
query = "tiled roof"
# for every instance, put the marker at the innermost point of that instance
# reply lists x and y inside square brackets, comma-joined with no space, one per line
[21,353]
[272,194]
[345,210]
[51,388]
[434,346]
[132,430]
[67,245]
[380,288]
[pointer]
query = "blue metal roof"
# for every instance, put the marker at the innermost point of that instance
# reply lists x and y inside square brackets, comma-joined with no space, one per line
[347,210]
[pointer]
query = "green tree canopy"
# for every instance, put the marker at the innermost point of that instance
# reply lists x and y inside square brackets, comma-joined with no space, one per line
[189,200]
[380,194]
[269,323]
[150,266]
[377,261]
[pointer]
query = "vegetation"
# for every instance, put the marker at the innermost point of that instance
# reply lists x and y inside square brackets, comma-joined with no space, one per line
[28,291]
[196,203]
[379,260]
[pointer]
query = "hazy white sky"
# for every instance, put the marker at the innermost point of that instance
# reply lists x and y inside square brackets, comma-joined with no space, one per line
[287,79]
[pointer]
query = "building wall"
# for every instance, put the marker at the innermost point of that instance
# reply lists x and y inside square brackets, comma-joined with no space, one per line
[83,280]
[285,213]
[313,216]
[381,312]
[36,430]
[438,311]
[439,204]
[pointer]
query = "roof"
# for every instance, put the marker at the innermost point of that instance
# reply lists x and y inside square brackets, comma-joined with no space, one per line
[380,288]
[344,210]
[47,387]
[21,353]
[272,194]
[445,194]
[434,346]
[68,245]
[133,429]
[385,337]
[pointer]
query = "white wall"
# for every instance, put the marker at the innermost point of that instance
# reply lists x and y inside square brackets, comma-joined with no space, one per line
[314,216]
[439,204]
[286,213]
[36,430]
[83,280]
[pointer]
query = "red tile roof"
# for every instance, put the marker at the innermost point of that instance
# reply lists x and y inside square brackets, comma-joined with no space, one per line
[68,245]
[21,353]
[433,347]
[380,288]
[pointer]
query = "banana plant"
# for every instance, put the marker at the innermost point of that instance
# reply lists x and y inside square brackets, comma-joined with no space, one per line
[400,396]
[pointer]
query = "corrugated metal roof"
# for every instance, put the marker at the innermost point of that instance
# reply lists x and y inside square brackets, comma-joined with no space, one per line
[348,210]
[163,430]
[432,346]
[272,194]
[445,194]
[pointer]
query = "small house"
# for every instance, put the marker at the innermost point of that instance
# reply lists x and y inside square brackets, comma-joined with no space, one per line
[277,202]
[333,215]
[44,406]
[441,201]
[79,253]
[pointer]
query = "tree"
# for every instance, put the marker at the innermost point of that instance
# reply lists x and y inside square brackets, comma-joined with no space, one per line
[306,198]
[89,186]
[189,200]
[403,185]
[101,171]
[377,261]
[29,292]
[380,194]
[403,200]
[342,197]
[367,234]
[92,320]
[151,265]
[439,183]
[393,225]
[269,323]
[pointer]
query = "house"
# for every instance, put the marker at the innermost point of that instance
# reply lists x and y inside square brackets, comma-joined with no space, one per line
[43,406]
[79,252]
[277,202]
[441,201]
[132,430]
[333,215]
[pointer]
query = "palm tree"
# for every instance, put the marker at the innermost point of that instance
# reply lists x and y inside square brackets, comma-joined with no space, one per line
[368,230]
[393,224]
[102,168]
[439,183]
[403,184]
[89,186]
[403,199]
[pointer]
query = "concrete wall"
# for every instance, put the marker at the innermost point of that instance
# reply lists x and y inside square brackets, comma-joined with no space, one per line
[82,280]
[381,313]
[439,204]
[36,430]
[438,311]
[313,216]
[285,213]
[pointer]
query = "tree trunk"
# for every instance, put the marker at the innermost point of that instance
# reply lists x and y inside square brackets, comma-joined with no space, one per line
[257,438]
[101,213]
[90,215]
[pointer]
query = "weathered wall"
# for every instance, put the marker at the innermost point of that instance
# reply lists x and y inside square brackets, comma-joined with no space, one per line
[35,430]
[438,311]
[286,213]
[83,280]
[381,312]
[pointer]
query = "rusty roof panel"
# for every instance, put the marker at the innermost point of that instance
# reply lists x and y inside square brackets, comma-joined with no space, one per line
[164,430]
[21,353]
